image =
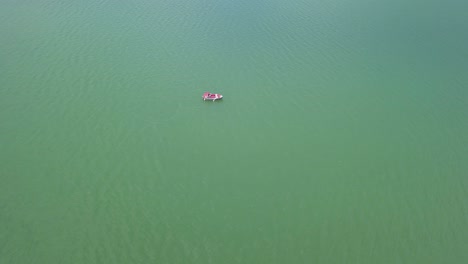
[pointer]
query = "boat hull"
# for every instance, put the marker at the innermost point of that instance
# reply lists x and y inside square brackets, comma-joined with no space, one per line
[212,97]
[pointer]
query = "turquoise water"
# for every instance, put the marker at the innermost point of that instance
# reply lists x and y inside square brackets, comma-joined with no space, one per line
[342,136]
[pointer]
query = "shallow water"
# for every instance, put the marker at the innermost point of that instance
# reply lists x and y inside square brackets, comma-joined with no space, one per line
[341,138]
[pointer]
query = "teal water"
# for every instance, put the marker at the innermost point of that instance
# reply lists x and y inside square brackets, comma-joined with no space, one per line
[342,136]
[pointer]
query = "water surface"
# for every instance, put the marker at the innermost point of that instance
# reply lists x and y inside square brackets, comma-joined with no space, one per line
[341,138]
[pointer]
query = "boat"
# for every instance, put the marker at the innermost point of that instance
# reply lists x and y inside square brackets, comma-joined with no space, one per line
[211,96]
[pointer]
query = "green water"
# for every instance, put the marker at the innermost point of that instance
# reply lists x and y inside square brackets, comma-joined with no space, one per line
[342,136]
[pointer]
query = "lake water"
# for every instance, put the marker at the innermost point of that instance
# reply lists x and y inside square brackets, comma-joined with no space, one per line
[342,136]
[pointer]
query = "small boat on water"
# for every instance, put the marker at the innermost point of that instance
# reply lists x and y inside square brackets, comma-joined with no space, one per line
[211,96]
